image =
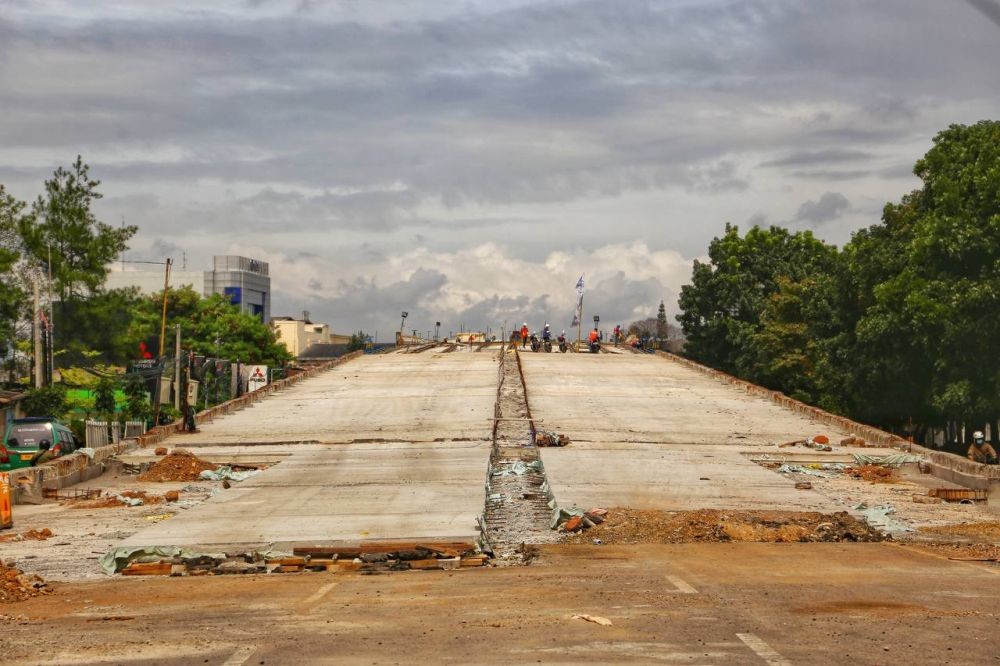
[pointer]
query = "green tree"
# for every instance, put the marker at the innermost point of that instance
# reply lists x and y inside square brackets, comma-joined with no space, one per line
[13,300]
[722,307]
[939,307]
[358,341]
[63,236]
[45,401]
[661,322]
[104,397]
[210,326]
[62,222]
[137,405]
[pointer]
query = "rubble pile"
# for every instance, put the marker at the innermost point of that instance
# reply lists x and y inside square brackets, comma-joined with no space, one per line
[124,498]
[545,438]
[632,526]
[873,473]
[178,465]
[15,585]
[30,535]
[366,558]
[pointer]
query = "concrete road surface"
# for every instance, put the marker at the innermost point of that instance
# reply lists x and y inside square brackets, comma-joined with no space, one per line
[649,433]
[403,453]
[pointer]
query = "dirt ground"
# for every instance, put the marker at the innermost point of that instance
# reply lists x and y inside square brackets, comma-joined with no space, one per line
[631,526]
[700,603]
[76,532]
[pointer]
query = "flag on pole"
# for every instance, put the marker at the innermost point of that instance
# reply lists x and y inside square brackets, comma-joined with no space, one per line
[579,302]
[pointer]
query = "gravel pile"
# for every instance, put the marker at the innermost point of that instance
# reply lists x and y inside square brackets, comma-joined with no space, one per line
[179,465]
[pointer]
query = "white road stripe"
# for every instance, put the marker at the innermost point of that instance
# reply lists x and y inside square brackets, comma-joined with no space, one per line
[681,586]
[318,594]
[763,650]
[240,656]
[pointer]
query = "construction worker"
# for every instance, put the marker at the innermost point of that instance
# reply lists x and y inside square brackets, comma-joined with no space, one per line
[980,451]
[524,335]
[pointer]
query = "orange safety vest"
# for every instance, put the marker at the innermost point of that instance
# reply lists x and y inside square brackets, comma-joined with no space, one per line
[524,331]
[593,336]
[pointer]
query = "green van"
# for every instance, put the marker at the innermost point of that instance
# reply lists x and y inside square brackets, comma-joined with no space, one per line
[28,438]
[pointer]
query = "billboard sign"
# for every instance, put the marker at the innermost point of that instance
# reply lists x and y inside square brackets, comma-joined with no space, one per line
[257,377]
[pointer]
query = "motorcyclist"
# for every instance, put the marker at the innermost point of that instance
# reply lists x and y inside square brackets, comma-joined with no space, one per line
[562,341]
[534,341]
[980,451]
[593,339]
[546,334]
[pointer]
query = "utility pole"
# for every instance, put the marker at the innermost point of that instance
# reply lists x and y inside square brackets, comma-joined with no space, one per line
[163,317]
[579,326]
[36,324]
[52,324]
[177,368]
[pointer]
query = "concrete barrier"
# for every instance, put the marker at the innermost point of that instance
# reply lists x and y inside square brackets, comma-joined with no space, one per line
[944,465]
[28,483]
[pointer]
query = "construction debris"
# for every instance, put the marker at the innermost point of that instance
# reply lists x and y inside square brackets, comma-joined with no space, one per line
[178,465]
[30,535]
[545,438]
[15,585]
[226,473]
[959,494]
[873,473]
[364,558]
[632,526]
[574,519]
[596,619]
[878,517]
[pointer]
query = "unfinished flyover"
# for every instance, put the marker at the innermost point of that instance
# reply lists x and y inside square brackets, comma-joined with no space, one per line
[397,446]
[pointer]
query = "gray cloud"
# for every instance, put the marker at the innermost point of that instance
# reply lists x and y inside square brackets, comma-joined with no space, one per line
[820,157]
[325,127]
[989,8]
[829,207]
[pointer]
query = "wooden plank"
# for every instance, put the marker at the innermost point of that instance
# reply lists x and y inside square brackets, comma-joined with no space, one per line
[354,550]
[148,569]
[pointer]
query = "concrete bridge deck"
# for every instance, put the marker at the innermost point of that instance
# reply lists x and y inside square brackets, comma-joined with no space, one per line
[403,446]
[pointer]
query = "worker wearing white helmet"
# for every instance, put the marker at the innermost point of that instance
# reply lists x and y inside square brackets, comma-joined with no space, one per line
[980,451]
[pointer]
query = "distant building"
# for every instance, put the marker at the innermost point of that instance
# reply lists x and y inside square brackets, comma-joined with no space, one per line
[301,334]
[245,281]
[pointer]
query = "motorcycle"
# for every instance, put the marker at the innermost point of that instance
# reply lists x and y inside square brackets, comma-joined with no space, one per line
[535,344]
[547,345]
[563,347]
[595,347]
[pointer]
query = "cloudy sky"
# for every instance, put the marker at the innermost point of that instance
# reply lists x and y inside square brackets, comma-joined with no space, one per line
[468,160]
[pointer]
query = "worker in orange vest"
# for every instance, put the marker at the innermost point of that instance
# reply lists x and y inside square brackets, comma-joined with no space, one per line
[524,335]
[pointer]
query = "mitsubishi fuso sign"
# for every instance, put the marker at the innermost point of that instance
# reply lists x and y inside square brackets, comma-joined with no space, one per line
[257,378]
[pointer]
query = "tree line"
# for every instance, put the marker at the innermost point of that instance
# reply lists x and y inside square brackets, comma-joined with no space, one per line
[899,328]
[58,243]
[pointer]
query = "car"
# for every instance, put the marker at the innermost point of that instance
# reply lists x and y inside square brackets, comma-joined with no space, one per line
[27,438]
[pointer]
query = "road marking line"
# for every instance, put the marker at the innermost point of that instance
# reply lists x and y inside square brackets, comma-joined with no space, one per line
[240,656]
[318,594]
[763,650]
[681,586]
